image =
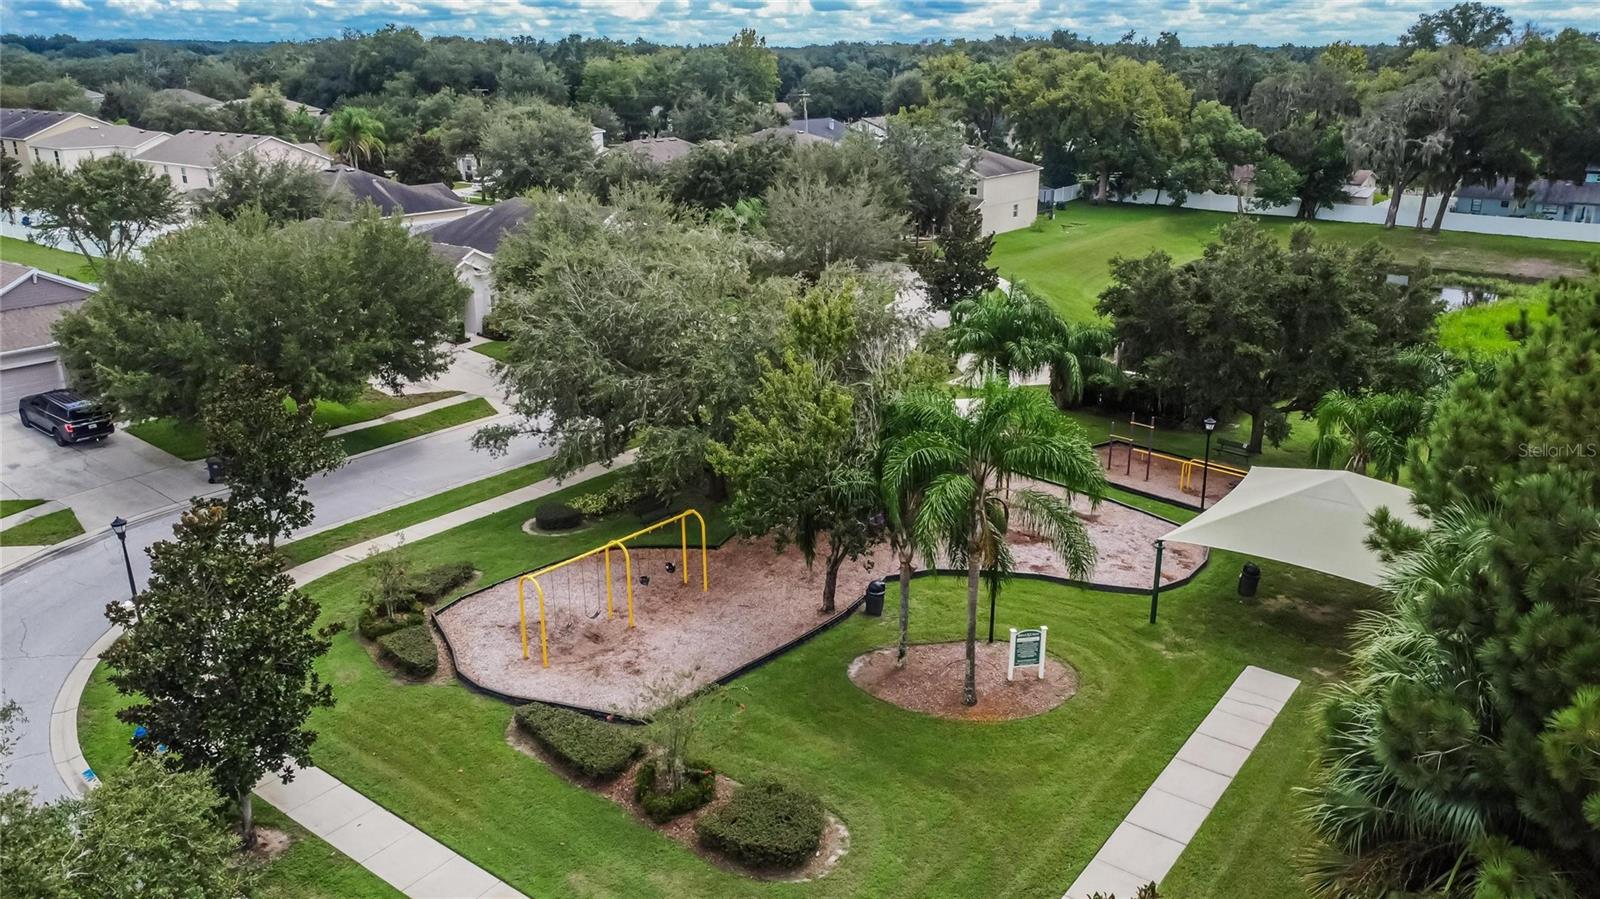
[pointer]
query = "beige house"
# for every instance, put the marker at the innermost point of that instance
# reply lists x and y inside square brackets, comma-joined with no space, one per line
[190,158]
[20,128]
[93,141]
[1004,190]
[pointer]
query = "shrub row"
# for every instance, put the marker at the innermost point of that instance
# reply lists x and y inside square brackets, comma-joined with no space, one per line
[431,584]
[591,747]
[374,624]
[767,824]
[557,517]
[411,650]
[699,788]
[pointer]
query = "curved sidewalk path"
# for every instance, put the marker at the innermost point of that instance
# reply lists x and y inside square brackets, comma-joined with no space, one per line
[380,841]
[52,610]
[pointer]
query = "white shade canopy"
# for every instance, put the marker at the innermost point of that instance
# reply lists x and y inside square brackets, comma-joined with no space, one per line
[1309,517]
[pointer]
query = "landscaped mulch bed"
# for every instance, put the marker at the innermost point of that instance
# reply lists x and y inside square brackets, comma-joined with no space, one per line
[931,682]
[835,836]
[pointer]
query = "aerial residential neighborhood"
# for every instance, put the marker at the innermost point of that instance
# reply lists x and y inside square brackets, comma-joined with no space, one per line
[926,449]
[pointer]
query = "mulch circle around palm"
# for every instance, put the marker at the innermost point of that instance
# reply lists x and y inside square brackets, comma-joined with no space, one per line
[931,682]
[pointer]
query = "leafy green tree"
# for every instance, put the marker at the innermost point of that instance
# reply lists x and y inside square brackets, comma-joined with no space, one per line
[525,74]
[1214,143]
[1114,116]
[956,266]
[423,160]
[815,225]
[713,176]
[545,146]
[927,154]
[270,445]
[1472,25]
[220,661]
[356,136]
[665,324]
[1256,327]
[969,462]
[284,190]
[10,185]
[906,92]
[801,456]
[104,207]
[59,93]
[975,92]
[752,67]
[320,307]
[1301,111]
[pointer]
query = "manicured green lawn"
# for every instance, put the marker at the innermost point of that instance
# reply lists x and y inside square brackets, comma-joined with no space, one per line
[187,440]
[407,428]
[934,807]
[494,349]
[46,259]
[1069,259]
[1295,452]
[43,531]
[13,506]
[318,545]
[309,868]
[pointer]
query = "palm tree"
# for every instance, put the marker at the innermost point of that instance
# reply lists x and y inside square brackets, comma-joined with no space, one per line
[1018,333]
[1371,430]
[355,134]
[967,463]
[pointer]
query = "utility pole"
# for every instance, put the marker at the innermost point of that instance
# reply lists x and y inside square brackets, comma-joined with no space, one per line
[804,96]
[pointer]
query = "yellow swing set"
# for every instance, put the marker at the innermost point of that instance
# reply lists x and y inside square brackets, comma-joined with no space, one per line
[621,544]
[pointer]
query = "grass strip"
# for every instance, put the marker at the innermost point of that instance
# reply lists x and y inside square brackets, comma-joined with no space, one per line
[395,431]
[43,531]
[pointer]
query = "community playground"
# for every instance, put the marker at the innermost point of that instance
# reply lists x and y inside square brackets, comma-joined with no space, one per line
[1131,461]
[601,631]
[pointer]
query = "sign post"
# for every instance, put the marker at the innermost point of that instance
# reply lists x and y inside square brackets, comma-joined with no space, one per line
[1027,648]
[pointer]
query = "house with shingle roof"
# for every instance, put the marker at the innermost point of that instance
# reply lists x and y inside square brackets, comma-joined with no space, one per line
[468,244]
[655,150]
[1556,201]
[190,158]
[1005,190]
[93,141]
[19,128]
[417,205]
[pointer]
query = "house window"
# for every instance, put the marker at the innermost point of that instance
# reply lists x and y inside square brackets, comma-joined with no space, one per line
[1477,205]
[184,174]
[209,183]
[973,190]
[58,157]
[1505,204]
[36,154]
[1015,207]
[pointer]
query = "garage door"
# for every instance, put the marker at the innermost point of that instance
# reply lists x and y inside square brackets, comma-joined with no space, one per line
[16,383]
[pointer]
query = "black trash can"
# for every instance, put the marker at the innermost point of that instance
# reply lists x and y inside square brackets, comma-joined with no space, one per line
[874,599]
[216,469]
[1249,579]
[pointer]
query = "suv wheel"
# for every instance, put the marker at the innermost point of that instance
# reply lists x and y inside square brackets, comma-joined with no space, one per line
[61,439]
[22,414]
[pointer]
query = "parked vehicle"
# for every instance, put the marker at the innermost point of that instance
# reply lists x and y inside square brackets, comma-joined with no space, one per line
[64,415]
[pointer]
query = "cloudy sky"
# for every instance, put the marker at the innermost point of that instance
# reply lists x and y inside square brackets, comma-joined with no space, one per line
[784,22]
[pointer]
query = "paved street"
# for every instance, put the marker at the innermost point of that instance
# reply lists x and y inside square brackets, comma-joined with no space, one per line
[52,612]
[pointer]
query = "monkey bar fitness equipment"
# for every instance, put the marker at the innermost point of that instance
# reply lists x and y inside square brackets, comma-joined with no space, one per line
[620,544]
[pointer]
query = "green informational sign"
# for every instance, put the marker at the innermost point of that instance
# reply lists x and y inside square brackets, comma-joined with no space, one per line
[1026,649]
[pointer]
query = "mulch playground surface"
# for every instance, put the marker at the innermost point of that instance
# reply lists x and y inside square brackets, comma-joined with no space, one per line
[933,678]
[759,602]
[1164,475]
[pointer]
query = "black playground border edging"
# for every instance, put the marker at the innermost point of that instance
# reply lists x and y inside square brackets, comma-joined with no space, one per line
[848,610]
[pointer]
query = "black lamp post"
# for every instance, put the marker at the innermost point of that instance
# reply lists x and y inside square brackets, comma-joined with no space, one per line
[1205,470]
[120,527]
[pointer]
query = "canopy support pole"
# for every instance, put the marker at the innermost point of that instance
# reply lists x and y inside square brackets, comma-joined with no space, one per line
[1155,589]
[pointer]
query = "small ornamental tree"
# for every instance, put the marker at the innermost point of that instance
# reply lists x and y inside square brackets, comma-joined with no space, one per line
[220,661]
[104,207]
[269,446]
[284,190]
[956,267]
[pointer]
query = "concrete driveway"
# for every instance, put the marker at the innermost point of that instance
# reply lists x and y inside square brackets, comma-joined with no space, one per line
[121,475]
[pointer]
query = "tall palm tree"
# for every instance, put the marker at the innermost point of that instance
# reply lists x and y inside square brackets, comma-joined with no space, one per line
[1018,333]
[1371,430]
[967,463]
[355,134]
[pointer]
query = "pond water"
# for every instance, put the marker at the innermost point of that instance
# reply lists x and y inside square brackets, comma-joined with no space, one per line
[1455,296]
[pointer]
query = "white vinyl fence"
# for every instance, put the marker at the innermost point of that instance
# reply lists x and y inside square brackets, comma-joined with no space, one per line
[1376,214]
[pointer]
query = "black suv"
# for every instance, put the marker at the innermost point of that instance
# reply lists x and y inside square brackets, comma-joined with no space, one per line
[64,415]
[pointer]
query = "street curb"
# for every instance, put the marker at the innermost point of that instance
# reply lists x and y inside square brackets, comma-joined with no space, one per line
[89,537]
[74,768]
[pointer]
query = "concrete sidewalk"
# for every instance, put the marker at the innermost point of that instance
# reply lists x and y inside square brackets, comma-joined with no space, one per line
[403,856]
[1148,842]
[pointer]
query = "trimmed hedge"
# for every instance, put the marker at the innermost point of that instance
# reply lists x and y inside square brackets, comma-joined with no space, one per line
[766,824]
[372,624]
[700,788]
[591,747]
[557,517]
[431,584]
[411,650]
